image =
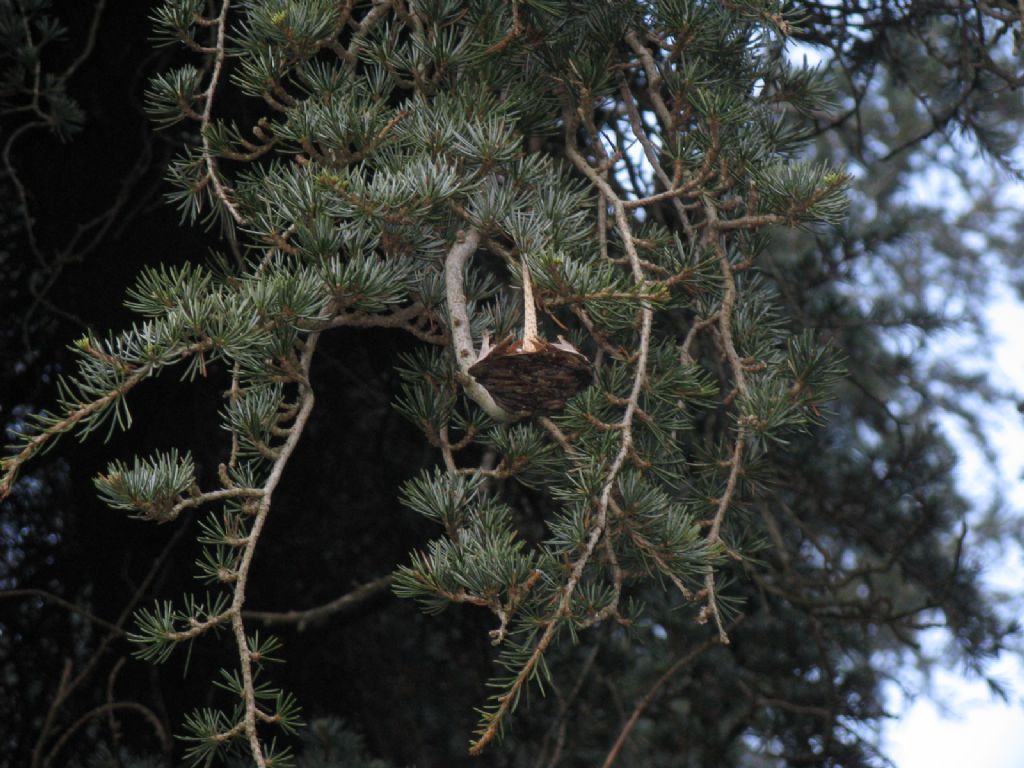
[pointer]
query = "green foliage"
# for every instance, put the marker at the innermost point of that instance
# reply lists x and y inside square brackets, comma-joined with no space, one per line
[406,131]
[150,487]
[379,140]
[28,85]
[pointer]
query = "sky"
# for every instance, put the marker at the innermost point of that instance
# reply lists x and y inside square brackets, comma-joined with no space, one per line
[952,721]
[958,723]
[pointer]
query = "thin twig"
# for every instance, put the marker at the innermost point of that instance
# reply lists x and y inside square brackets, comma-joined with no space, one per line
[565,704]
[223,493]
[650,151]
[69,685]
[306,402]
[681,663]
[131,706]
[685,357]
[211,90]
[563,608]
[112,722]
[52,598]
[714,238]
[303,619]
[90,40]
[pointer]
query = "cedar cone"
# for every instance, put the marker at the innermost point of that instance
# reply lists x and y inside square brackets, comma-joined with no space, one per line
[537,381]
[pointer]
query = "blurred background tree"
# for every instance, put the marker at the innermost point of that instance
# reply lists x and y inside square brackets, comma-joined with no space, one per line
[852,542]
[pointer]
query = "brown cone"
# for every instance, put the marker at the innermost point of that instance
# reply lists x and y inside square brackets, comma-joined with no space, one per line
[536,382]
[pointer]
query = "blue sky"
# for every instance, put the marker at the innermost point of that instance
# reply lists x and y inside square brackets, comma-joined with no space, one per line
[953,721]
[956,722]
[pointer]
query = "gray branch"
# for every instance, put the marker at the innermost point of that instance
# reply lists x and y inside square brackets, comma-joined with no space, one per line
[464,247]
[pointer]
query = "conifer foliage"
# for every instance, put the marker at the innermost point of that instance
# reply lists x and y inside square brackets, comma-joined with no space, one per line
[590,182]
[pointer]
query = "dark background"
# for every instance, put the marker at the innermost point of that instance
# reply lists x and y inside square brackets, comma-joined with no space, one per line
[336,524]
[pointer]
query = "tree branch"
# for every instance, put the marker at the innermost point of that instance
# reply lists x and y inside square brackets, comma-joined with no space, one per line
[341,604]
[645,701]
[563,609]
[306,402]
[465,245]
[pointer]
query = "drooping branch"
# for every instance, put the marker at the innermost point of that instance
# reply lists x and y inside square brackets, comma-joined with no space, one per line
[713,238]
[213,172]
[598,529]
[465,245]
[305,402]
[302,619]
[74,416]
